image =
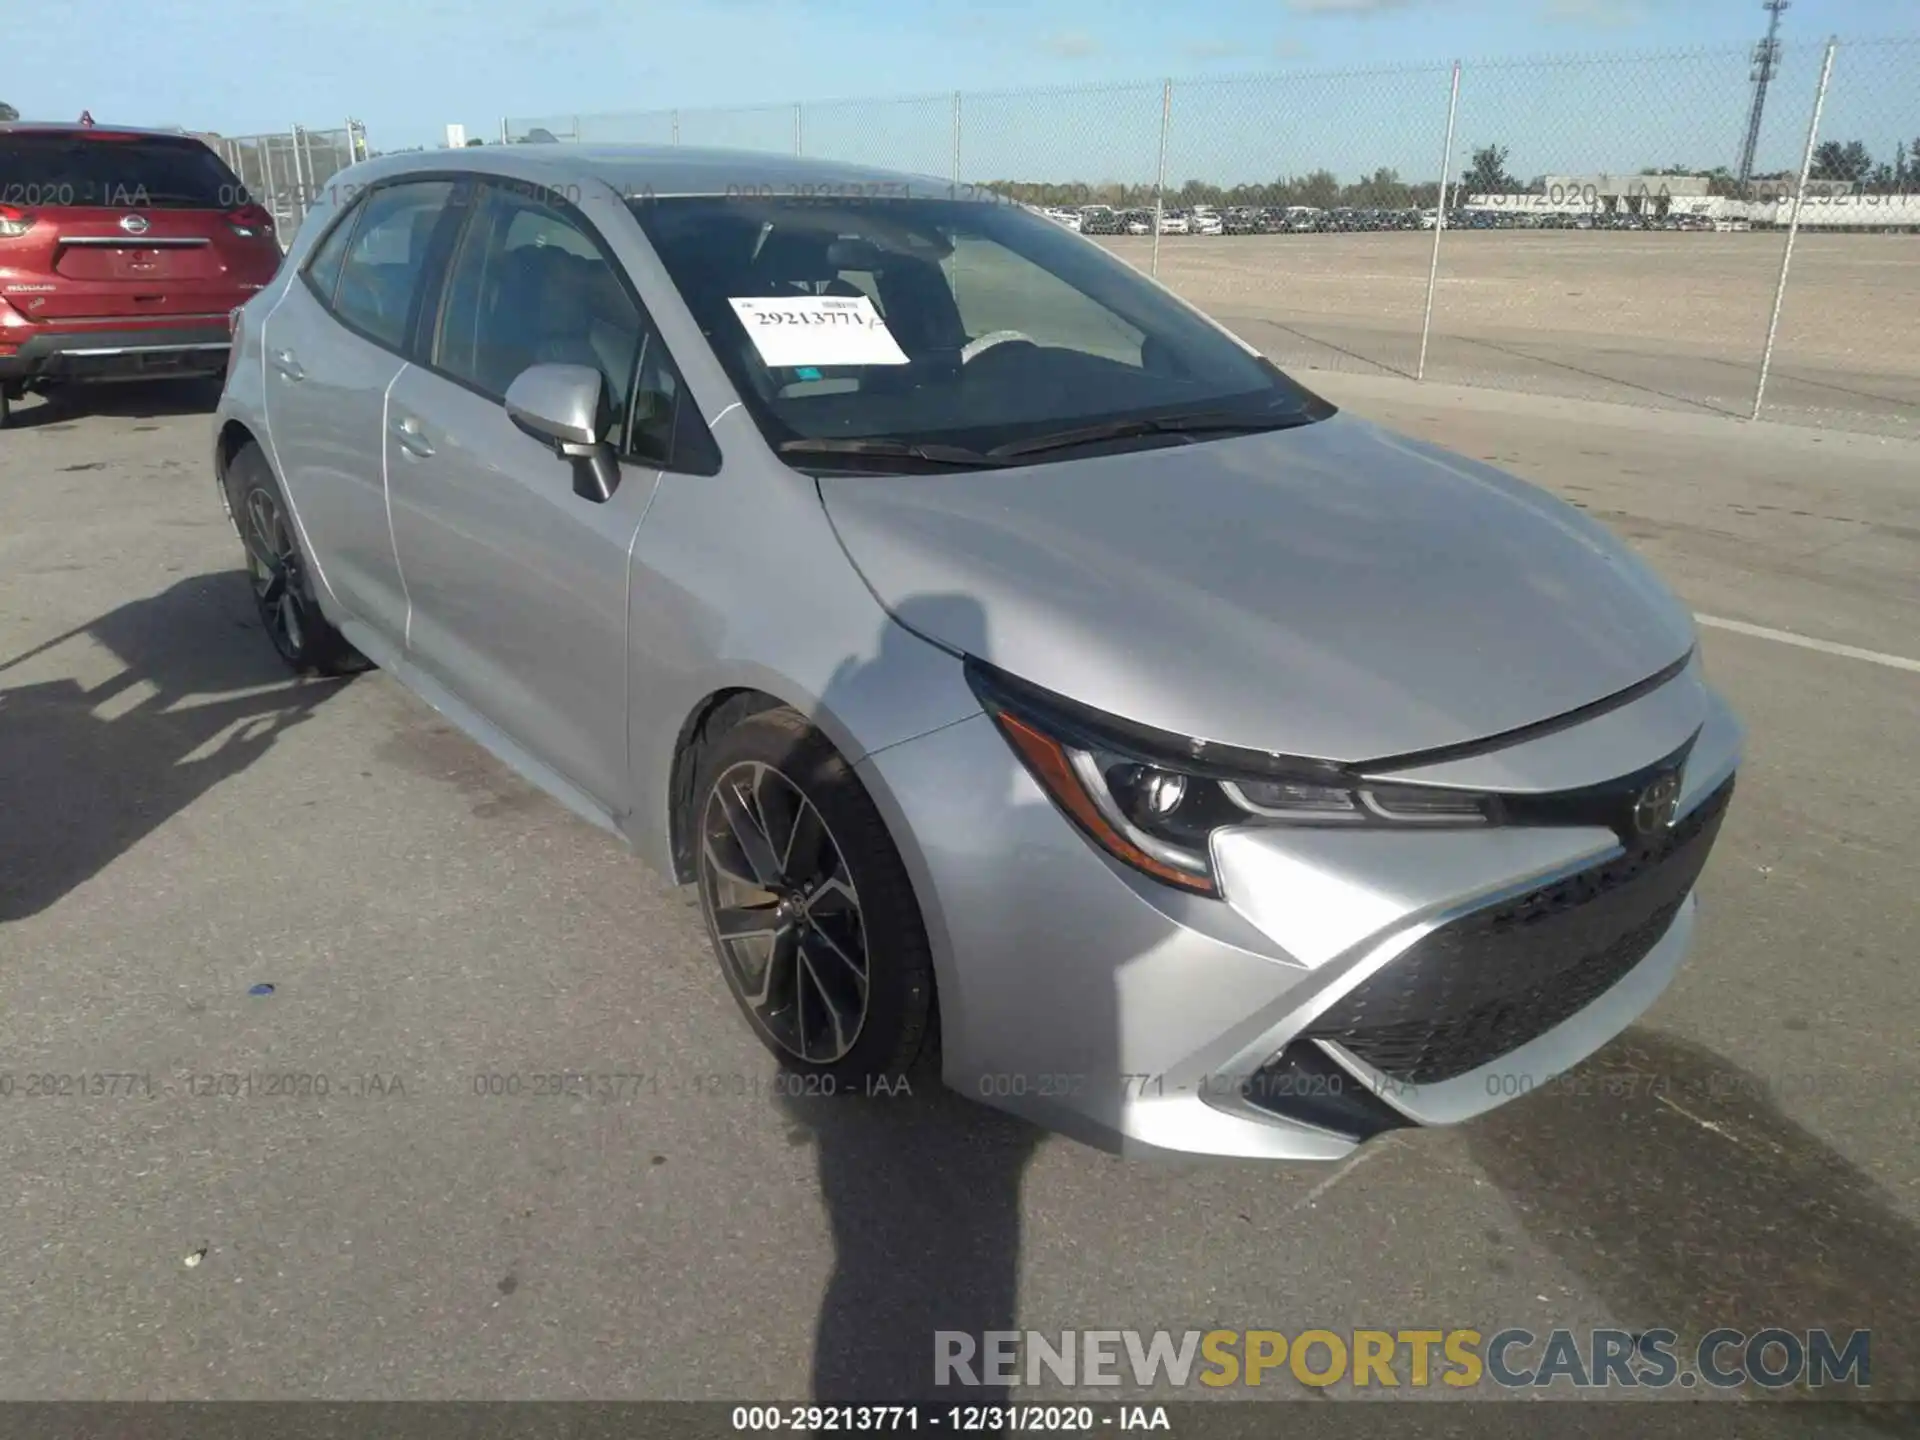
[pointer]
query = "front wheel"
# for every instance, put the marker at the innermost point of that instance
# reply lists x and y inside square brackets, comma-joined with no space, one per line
[283,595]
[808,904]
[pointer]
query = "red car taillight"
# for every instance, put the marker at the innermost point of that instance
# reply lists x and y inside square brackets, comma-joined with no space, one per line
[251,222]
[14,222]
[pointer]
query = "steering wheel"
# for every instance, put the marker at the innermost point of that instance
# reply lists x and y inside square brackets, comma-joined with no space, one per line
[992,340]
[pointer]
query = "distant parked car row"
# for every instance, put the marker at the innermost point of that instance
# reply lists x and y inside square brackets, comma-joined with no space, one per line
[1535,220]
[1307,219]
[1232,220]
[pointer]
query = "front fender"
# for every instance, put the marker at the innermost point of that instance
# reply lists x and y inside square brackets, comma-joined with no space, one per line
[739,583]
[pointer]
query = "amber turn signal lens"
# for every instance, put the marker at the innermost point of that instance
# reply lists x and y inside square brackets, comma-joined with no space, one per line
[1051,767]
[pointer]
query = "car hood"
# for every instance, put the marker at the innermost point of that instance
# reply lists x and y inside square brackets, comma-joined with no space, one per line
[1334,591]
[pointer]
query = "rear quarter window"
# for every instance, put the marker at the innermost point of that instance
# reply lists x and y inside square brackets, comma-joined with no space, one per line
[323,270]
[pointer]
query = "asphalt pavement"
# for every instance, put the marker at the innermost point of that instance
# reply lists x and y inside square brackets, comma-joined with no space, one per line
[181,826]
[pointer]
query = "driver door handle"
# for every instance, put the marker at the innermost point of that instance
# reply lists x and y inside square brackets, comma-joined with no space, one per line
[288,367]
[412,439]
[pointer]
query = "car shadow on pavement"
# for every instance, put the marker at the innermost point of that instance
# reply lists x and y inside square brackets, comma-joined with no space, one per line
[922,1192]
[88,770]
[921,1186]
[1670,1181]
[126,399]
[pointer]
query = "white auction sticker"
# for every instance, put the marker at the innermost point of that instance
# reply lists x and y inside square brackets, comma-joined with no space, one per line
[818,330]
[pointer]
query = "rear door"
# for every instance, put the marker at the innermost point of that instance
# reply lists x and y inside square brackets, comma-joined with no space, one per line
[334,345]
[131,228]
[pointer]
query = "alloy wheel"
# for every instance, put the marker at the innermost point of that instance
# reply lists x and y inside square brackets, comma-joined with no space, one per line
[784,915]
[273,563]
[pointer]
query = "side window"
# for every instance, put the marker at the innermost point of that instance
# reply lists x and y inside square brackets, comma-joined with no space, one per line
[527,288]
[666,429]
[323,270]
[382,266]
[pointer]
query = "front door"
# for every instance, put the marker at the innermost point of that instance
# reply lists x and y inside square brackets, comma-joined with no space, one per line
[519,585]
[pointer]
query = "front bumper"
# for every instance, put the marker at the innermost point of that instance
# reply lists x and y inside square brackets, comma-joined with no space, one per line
[1100,1003]
[127,354]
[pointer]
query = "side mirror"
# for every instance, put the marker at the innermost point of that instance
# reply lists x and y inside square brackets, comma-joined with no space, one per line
[566,407]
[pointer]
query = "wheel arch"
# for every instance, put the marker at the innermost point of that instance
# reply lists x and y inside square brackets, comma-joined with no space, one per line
[715,714]
[728,698]
[233,437]
[727,707]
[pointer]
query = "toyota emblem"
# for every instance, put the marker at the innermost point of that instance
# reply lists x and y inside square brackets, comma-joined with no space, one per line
[1654,808]
[134,224]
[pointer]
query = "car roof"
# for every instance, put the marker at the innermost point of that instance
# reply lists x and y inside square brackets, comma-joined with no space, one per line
[81,132]
[667,170]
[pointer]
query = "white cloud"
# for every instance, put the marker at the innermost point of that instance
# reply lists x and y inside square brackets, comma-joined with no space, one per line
[1071,45]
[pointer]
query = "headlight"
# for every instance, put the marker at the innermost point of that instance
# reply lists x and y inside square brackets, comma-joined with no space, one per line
[1154,800]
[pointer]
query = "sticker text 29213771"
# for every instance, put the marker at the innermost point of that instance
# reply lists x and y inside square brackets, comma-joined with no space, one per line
[814,330]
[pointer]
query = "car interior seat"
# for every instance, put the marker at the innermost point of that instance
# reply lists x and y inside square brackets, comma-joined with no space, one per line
[798,262]
[586,319]
[505,343]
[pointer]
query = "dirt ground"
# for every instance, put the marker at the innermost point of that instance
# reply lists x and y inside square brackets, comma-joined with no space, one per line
[1671,317]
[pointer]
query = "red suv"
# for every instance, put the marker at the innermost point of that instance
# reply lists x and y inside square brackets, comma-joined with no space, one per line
[122,254]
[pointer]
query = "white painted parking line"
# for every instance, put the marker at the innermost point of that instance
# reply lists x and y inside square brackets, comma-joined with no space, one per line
[1807,642]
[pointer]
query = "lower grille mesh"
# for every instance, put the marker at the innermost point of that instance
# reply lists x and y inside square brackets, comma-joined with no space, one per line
[1487,983]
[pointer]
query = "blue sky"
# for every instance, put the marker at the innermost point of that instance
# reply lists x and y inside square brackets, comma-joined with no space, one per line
[407,67]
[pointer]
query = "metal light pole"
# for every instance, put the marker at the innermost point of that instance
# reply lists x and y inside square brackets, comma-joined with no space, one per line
[304,184]
[1439,223]
[1765,56]
[1160,176]
[1793,228]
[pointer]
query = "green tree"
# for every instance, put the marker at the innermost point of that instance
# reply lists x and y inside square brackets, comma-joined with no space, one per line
[1487,175]
[1900,174]
[1321,189]
[1382,190]
[1833,160]
[7,112]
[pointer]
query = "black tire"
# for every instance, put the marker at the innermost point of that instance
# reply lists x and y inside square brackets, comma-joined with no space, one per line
[897,1030]
[56,398]
[6,407]
[279,573]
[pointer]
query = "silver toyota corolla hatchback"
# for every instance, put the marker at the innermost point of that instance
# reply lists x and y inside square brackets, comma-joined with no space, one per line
[1025,671]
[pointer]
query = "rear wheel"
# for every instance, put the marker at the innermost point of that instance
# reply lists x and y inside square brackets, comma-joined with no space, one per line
[283,595]
[808,905]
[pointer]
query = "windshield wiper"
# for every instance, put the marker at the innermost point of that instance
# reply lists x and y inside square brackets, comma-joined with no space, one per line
[932,453]
[1192,422]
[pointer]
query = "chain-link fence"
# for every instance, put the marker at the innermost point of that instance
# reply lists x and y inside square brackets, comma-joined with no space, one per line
[1728,231]
[1844,339]
[286,172]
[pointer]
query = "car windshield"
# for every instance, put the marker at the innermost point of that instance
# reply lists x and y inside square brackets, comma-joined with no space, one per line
[125,173]
[886,331]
